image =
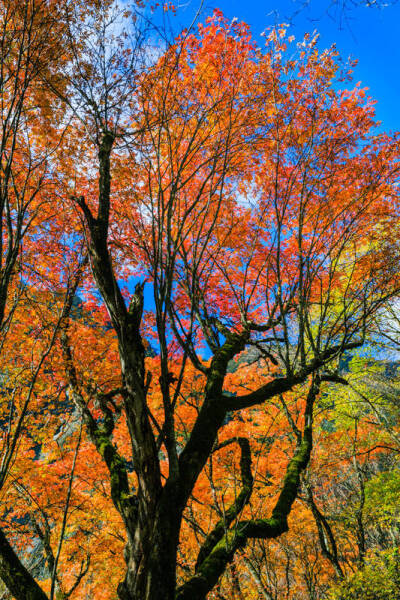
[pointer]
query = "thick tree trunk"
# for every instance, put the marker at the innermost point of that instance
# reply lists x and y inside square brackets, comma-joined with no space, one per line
[151,559]
[154,577]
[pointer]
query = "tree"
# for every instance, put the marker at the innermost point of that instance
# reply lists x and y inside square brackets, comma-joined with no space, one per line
[28,49]
[255,197]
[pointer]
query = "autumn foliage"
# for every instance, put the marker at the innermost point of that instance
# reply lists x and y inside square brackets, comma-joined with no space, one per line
[199,250]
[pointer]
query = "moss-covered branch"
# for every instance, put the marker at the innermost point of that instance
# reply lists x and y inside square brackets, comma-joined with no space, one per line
[214,565]
[100,434]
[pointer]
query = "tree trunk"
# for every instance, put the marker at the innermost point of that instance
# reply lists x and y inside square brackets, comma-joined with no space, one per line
[152,554]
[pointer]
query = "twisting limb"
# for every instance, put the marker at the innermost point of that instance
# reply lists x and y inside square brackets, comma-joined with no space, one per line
[234,510]
[211,415]
[221,555]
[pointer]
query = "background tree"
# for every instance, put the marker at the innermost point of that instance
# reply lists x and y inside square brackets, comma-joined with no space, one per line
[28,49]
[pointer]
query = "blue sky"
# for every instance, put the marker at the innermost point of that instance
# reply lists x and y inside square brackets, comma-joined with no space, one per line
[370,34]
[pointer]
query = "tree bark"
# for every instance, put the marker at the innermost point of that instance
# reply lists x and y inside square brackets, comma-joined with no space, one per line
[16,577]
